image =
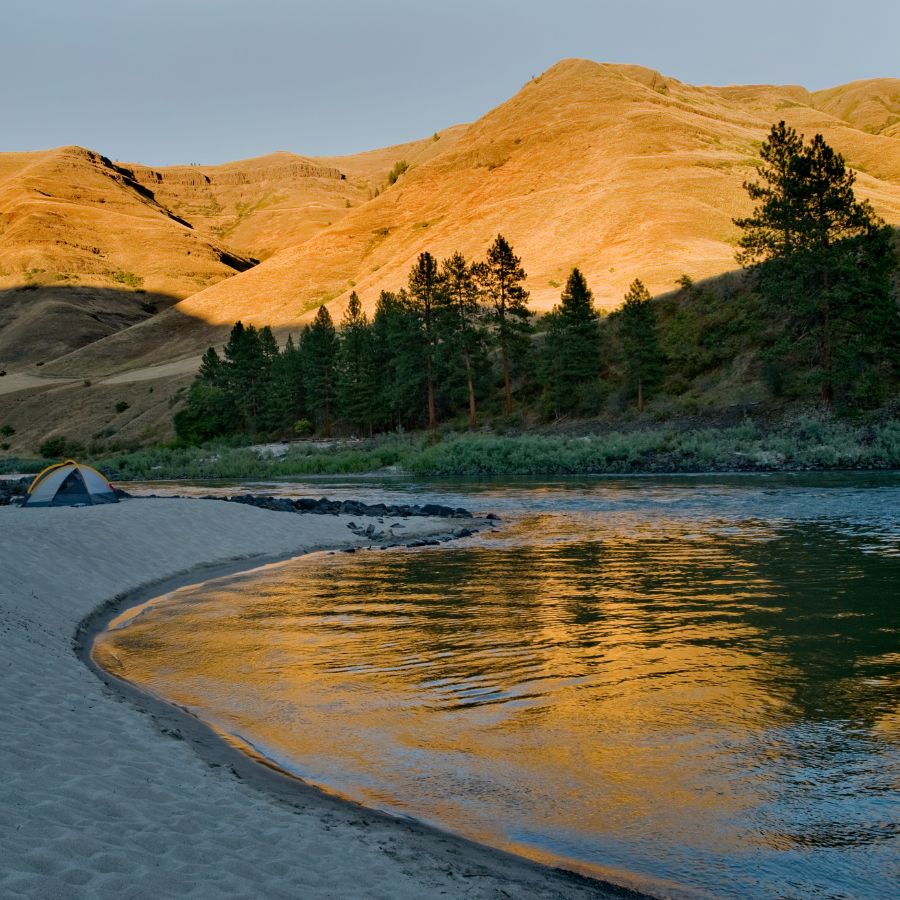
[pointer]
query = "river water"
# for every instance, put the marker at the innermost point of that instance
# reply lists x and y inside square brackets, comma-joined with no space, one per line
[686,685]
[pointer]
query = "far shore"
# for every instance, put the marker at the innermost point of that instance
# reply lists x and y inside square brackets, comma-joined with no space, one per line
[802,443]
[102,802]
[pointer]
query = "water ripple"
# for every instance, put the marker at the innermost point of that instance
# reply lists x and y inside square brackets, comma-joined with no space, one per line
[695,682]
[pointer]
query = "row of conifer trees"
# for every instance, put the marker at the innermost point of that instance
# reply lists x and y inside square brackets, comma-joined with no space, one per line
[458,340]
[455,342]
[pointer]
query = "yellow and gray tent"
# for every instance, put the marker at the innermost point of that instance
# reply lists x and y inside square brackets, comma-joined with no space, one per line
[70,484]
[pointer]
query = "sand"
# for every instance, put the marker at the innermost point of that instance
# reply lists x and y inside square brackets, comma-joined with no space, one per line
[109,795]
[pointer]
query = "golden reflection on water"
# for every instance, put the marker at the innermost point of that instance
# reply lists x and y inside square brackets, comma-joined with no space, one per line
[674,698]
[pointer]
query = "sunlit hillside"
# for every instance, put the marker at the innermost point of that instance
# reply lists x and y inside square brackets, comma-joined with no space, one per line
[615,169]
[273,202]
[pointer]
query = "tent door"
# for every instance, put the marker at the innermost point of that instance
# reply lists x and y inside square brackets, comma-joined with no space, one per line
[72,491]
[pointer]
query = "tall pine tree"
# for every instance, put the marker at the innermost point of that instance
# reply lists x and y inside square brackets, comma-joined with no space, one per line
[319,346]
[248,366]
[399,362]
[826,260]
[571,357]
[210,410]
[460,319]
[212,369]
[356,372]
[500,277]
[640,341]
[425,293]
[294,385]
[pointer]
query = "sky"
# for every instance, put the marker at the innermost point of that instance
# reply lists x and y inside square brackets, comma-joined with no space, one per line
[207,81]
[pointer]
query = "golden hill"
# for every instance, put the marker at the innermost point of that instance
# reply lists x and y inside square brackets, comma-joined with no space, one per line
[130,240]
[872,105]
[616,169]
[272,202]
[71,216]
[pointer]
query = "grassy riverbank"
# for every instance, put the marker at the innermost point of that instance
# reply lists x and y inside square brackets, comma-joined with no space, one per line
[804,443]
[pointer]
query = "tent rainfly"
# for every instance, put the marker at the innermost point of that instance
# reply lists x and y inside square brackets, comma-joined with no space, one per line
[69,484]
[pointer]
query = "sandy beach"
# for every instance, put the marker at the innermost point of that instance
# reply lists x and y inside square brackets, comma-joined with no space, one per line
[106,794]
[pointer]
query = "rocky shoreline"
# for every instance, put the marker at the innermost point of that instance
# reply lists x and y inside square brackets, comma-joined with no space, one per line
[13,490]
[389,534]
[324,506]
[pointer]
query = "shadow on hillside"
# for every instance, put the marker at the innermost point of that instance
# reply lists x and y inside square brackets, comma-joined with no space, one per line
[731,283]
[86,332]
[40,322]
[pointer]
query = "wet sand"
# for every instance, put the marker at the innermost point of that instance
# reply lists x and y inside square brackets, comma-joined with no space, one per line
[106,792]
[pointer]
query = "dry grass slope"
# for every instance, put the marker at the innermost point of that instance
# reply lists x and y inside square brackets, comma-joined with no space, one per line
[616,169]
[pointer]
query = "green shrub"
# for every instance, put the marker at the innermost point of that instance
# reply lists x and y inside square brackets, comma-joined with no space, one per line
[127,278]
[25,466]
[121,406]
[209,411]
[399,168]
[806,442]
[59,446]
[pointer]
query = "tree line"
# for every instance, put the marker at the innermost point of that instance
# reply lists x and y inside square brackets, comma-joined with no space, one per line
[455,340]
[459,342]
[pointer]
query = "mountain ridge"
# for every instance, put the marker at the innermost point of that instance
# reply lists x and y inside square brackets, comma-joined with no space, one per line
[563,102]
[617,169]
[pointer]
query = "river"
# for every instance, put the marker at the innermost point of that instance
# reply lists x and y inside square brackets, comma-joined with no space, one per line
[689,685]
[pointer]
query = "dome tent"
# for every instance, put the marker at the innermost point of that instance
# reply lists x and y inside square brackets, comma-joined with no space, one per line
[69,484]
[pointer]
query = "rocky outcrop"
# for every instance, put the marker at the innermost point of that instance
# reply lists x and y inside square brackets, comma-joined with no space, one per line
[13,490]
[324,506]
[185,176]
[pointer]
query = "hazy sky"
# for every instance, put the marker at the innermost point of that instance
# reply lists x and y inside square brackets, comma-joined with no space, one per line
[177,81]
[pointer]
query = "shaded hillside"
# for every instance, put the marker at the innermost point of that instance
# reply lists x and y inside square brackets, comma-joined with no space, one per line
[99,413]
[43,322]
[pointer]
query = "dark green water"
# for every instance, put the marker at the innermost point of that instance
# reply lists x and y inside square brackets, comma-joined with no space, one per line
[688,685]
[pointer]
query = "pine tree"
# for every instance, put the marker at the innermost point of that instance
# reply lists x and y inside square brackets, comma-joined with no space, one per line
[210,412]
[773,229]
[826,260]
[319,348]
[643,357]
[294,385]
[460,318]
[500,278]
[268,345]
[398,356]
[273,399]
[212,369]
[571,358]
[247,368]
[356,374]
[426,288]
